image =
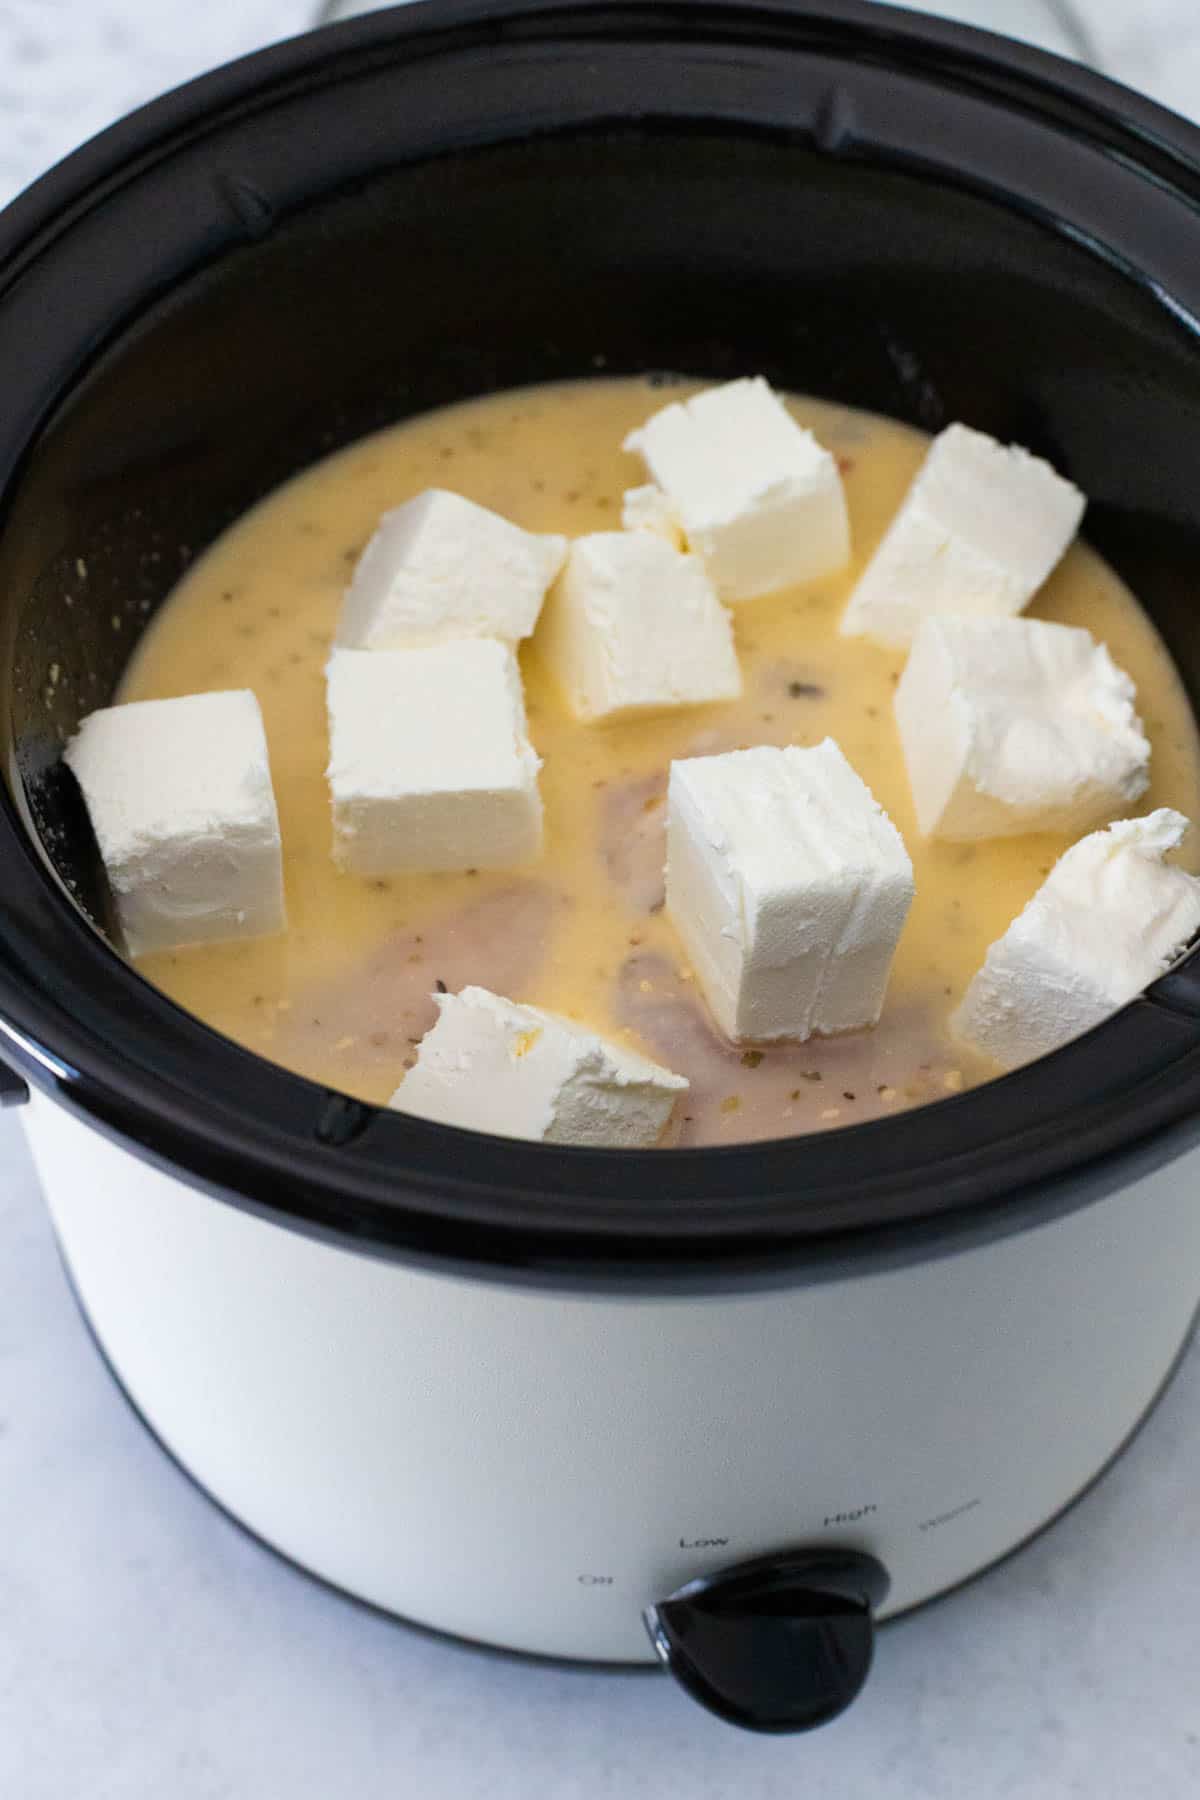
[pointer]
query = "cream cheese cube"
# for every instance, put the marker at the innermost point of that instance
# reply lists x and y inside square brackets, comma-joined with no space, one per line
[491,1065]
[1108,919]
[979,531]
[1016,725]
[789,887]
[440,567]
[180,798]
[648,509]
[758,497]
[634,626]
[430,766]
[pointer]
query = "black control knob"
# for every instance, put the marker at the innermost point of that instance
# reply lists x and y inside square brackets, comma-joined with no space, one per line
[782,1643]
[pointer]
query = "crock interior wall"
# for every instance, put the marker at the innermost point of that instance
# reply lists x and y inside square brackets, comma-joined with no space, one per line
[611,251]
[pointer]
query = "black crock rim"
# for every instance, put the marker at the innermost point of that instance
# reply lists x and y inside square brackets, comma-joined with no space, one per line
[988,1160]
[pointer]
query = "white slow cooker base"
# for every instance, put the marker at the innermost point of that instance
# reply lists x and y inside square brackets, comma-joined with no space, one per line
[528,1469]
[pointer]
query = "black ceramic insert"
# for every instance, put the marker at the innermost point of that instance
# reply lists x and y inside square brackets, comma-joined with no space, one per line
[450,199]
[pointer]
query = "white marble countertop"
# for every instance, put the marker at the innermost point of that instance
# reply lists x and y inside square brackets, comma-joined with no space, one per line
[149,1650]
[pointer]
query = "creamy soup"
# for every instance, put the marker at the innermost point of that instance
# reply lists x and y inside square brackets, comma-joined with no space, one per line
[345,996]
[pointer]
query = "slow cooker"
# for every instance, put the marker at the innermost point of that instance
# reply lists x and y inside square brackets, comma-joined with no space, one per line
[724,1407]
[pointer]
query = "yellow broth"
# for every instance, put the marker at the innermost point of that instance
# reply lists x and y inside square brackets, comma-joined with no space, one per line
[344,996]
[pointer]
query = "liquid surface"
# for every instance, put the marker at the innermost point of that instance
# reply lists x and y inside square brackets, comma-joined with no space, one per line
[344,996]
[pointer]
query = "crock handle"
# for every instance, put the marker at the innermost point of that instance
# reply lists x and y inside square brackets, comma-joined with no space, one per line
[782,1643]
